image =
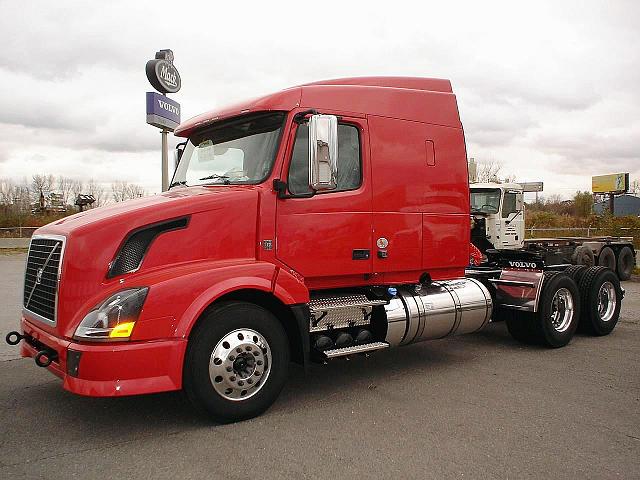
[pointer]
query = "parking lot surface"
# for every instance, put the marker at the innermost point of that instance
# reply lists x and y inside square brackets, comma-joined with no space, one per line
[477,406]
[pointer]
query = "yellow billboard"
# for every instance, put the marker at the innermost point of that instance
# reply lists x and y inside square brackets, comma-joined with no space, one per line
[615,182]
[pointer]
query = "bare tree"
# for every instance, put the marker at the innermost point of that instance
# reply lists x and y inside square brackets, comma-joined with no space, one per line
[77,188]
[122,190]
[488,171]
[7,191]
[95,189]
[41,185]
[136,191]
[65,187]
[22,198]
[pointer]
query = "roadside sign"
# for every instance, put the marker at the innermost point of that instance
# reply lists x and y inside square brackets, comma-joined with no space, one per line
[162,74]
[162,112]
[532,186]
[613,183]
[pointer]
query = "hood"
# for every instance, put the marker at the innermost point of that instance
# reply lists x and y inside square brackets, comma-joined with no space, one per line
[162,206]
[217,223]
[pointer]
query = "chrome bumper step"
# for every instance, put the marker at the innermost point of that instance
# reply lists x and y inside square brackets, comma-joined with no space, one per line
[364,348]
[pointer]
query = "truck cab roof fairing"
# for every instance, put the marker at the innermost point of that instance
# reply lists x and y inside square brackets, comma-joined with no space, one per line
[409,98]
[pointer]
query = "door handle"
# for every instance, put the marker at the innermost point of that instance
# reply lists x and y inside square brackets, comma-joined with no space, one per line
[361,254]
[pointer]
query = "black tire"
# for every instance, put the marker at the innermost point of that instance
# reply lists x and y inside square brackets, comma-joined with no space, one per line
[596,319]
[520,326]
[583,255]
[217,324]
[626,262]
[607,258]
[576,272]
[500,314]
[554,308]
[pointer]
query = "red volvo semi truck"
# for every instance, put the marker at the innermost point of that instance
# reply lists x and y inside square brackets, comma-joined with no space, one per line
[324,221]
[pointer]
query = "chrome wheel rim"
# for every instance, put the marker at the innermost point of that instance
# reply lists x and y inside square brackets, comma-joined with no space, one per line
[561,310]
[606,301]
[240,364]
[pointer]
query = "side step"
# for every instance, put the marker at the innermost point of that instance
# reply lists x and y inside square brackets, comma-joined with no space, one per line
[364,348]
[341,311]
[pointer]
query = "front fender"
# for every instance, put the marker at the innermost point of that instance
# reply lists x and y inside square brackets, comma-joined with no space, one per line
[185,292]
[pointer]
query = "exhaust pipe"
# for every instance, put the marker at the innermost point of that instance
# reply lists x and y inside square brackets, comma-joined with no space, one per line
[44,358]
[14,338]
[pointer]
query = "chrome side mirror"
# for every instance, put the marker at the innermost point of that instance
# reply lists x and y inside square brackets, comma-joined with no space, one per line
[323,152]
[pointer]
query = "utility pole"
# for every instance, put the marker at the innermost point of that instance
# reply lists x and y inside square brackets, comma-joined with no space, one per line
[612,203]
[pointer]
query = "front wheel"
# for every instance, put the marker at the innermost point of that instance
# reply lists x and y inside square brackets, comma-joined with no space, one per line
[236,362]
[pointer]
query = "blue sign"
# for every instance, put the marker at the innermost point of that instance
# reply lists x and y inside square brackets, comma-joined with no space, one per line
[162,112]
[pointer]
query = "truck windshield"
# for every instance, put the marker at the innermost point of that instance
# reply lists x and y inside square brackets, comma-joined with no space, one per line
[237,151]
[485,200]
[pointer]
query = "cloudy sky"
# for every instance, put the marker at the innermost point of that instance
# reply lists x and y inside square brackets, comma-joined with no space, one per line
[550,89]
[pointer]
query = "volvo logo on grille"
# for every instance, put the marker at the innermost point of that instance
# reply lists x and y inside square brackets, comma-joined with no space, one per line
[39,276]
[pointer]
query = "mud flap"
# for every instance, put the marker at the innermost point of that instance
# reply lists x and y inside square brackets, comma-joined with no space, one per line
[518,289]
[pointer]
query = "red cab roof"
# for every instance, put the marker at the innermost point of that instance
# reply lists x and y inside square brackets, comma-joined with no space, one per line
[429,100]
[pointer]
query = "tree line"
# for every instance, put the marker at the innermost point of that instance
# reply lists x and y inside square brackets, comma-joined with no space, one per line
[27,196]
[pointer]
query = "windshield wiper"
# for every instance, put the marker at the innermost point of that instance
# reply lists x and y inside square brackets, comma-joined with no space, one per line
[176,184]
[215,176]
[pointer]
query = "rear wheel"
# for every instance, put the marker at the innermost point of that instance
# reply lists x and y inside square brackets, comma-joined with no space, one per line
[625,263]
[583,255]
[558,313]
[576,272]
[520,326]
[236,362]
[601,300]
[607,258]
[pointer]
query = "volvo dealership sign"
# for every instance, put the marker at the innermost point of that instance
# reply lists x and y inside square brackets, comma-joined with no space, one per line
[162,74]
[162,112]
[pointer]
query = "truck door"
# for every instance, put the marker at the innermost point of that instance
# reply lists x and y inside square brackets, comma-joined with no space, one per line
[512,217]
[327,237]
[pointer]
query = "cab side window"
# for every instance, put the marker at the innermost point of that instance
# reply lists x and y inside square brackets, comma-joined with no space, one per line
[349,164]
[509,205]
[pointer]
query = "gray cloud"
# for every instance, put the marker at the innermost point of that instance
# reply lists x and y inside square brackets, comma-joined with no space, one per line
[551,84]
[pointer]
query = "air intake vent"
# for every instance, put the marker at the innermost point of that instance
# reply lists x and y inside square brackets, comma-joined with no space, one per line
[132,252]
[41,277]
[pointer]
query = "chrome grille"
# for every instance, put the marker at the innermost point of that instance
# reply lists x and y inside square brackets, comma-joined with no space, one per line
[41,277]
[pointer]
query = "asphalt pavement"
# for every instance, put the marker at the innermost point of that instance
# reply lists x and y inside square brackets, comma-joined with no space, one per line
[476,406]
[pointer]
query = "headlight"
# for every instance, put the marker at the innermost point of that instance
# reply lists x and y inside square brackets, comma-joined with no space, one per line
[114,318]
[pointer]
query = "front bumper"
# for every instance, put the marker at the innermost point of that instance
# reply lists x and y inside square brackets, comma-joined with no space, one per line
[110,369]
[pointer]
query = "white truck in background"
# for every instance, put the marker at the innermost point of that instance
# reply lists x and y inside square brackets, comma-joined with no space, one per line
[498,223]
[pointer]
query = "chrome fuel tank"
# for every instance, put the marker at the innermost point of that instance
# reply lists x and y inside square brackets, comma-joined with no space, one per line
[443,308]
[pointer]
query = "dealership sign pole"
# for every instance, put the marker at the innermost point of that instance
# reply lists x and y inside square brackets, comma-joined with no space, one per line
[163,112]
